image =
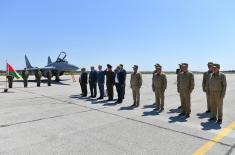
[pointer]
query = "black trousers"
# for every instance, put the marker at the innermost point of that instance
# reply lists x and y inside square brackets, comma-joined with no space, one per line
[49,82]
[38,82]
[110,91]
[93,89]
[84,89]
[123,91]
[119,92]
[10,84]
[25,83]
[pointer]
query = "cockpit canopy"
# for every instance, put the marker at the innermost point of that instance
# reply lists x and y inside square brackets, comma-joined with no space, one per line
[62,57]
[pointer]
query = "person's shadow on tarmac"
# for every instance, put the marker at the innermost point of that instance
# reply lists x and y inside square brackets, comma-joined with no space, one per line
[128,108]
[203,115]
[172,111]
[154,112]
[178,118]
[149,106]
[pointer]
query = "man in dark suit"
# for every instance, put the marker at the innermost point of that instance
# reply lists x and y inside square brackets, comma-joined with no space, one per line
[120,78]
[83,82]
[93,82]
[101,80]
[123,71]
[109,81]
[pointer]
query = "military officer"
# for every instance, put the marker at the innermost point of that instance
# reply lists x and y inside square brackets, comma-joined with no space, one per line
[38,76]
[217,90]
[135,84]
[110,81]
[25,76]
[123,87]
[49,76]
[205,85]
[83,82]
[10,81]
[185,86]
[179,70]
[159,85]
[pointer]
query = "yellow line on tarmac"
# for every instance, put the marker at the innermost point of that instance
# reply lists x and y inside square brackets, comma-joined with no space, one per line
[223,133]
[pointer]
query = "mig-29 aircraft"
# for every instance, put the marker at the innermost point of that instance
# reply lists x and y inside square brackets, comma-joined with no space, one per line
[57,68]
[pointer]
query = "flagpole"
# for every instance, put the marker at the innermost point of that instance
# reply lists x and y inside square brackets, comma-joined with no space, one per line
[7,70]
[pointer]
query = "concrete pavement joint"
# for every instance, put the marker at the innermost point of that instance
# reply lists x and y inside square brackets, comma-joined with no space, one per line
[230,150]
[40,119]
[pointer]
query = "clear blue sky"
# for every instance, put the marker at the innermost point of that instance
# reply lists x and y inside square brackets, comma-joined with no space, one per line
[141,32]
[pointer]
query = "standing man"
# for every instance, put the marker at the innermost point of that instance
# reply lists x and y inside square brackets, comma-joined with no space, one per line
[205,85]
[101,80]
[38,76]
[178,71]
[159,85]
[116,82]
[123,72]
[110,76]
[25,76]
[120,83]
[93,82]
[49,76]
[217,90]
[136,83]
[10,81]
[185,87]
[83,82]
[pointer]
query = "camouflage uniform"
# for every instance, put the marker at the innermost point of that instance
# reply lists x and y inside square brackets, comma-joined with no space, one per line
[25,76]
[159,84]
[217,90]
[178,71]
[185,86]
[110,75]
[49,76]
[136,83]
[38,76]
[10,81]
[205,87]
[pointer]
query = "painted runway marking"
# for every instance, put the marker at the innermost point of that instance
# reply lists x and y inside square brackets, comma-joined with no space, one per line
[209,145]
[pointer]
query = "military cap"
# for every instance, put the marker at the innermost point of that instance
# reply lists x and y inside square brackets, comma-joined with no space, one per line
[210,63]
[109,66]
[135,66]
[216,66]
[157,65]
[184,64]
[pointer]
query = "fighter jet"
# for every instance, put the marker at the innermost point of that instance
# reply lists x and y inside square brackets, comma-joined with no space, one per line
[57,68]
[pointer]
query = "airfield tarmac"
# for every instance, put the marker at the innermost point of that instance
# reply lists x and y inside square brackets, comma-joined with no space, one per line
[55,120]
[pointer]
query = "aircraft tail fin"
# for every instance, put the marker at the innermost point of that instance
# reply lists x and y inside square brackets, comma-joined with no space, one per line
[28,65]
[49,60]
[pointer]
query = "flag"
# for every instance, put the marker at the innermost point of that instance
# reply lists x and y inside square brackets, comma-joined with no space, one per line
[12,72]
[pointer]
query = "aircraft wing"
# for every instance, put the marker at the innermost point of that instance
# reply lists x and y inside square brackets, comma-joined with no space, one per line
[42,69]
